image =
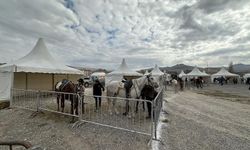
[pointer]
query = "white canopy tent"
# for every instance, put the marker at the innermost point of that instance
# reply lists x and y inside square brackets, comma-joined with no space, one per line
[224,73]
[196,73]
[156,71]
[34,70]
[205,74]
[146,72]
[182,74]
[158,74]
[247,75]
[120,72]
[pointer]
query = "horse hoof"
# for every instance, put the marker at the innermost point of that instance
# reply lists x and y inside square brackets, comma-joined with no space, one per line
[116,112]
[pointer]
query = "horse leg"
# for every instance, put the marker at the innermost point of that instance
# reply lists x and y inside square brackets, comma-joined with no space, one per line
[143,106]
[57,101]
[114,106]
[109,106]
[136,109]
[62,102]
[76,105]
[149,109]
[71,106]
[126,108]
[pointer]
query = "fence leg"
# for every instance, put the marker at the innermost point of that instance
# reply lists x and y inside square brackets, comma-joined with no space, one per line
[38,101]
[11,97]
[152,120]
[155,121]
[80,102]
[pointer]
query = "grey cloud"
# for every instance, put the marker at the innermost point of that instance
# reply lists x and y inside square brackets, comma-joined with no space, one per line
[151,32]
[228,51]
[210,6]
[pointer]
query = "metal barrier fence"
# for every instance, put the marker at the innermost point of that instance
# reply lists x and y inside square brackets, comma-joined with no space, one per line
[109,113]
[157,106]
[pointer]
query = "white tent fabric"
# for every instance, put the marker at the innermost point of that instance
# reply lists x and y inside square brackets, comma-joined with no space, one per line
[196,73]
[156,71]
[246,76]
[182,74]
[98,74]
[118,74]
[158,75]
[205,74]
[6,79]
[223,72]
[39,60]
[124,70]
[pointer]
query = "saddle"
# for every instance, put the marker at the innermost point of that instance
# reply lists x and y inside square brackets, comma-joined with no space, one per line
[63,83]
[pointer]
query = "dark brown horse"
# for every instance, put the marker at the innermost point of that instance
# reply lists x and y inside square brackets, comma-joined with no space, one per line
[67,90]
[149,93]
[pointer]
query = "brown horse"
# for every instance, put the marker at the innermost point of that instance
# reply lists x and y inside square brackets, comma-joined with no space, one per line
[69,91]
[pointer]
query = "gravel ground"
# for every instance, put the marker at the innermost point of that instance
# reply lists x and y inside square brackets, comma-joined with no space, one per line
[197,121]
[54,131]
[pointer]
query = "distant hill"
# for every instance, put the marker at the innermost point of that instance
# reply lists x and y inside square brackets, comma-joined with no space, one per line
[177,68]
[241,68]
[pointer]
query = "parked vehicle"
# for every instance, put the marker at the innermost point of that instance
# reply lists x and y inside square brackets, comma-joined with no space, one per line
[87,81]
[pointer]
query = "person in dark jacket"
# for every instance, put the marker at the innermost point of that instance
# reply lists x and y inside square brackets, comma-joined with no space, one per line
[127,85]
[97,92]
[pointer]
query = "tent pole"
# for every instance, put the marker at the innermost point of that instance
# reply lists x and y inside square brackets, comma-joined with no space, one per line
[26,80]
[53,81]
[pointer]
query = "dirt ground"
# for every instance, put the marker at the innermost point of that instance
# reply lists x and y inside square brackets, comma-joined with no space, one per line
[54,131]
[207,119]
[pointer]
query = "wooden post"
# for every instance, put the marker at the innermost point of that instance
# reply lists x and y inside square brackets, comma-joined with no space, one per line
[26,80]
[53,81]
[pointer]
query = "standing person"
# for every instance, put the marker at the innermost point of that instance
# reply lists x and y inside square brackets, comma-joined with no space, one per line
[175,84]
[80,87]
[97,92]
[127,85]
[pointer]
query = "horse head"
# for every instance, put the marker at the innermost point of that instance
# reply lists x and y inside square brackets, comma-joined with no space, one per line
[152,81]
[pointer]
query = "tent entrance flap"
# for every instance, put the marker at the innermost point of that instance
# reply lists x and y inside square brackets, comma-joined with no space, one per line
[6,84]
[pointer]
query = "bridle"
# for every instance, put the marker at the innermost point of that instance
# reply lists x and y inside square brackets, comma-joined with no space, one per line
[136,83]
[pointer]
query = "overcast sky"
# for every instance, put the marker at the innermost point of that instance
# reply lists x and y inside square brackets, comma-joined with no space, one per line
[99,33]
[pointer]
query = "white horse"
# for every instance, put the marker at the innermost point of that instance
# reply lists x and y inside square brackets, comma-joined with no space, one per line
[116,89]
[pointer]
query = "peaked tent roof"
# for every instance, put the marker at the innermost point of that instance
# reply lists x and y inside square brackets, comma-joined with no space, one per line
[224,72]
[182,74]
[196,72]
[124,70]
[247,75]
[205,74]
[157,71]
[39,60]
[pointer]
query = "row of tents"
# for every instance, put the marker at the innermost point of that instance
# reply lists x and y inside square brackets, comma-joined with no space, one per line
[124,71]
[38,70]
[197,73]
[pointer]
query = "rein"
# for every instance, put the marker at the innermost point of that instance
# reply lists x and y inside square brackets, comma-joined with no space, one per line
[137,86]
[65,84]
